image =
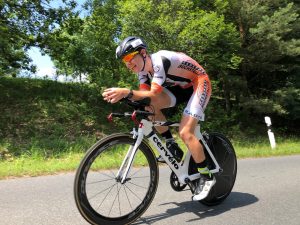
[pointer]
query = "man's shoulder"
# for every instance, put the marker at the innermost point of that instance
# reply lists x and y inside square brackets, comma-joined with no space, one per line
[163,53]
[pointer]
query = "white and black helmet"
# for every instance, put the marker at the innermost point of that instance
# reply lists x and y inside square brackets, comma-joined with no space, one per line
[129,45]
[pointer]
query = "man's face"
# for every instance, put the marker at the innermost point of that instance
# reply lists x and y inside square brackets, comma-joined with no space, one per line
[135,64]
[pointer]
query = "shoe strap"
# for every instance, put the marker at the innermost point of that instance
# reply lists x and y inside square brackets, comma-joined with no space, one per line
[204,171]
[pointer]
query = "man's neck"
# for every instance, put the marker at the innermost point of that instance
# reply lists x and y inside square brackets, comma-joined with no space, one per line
[149,66]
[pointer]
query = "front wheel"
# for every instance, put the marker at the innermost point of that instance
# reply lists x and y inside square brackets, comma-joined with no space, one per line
[100,195]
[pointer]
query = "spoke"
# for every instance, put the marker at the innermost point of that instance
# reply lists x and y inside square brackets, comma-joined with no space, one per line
[106,196]
[132,192]
[127,197]
[112,177]
[95,182]
[136,172]
[102,191]
[137,185]
[119,201]
[114,199]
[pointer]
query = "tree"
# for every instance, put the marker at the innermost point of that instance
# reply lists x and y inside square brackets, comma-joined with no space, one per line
[24,24]
[271,49]
[269,37]
[64,47]
[88,45]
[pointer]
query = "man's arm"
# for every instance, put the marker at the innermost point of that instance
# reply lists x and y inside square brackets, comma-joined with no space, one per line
[114,95]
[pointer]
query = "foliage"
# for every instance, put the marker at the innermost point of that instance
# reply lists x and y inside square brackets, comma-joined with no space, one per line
[47,115]
[64,46]
[180,26]
[269,32]
[85,46]
[273,49]
[24,24]
[289,99]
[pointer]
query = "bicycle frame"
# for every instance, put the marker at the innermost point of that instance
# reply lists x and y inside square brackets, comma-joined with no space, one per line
[179,168]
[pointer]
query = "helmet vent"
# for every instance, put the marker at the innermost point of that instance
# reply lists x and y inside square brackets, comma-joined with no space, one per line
[136,43]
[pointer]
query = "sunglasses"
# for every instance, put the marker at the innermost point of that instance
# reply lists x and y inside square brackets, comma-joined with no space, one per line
[129,57]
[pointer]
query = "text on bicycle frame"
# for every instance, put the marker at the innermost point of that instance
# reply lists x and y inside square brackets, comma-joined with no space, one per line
[167,154]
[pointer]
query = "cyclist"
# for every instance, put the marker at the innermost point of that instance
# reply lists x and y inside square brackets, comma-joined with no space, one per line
[169,78]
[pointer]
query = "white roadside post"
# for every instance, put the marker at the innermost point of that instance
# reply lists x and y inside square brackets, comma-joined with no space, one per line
[270,133]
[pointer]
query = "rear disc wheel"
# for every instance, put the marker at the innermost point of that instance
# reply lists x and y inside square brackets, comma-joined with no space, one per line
[224,153]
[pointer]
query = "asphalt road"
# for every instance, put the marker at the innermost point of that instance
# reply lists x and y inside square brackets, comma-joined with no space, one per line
[267,191]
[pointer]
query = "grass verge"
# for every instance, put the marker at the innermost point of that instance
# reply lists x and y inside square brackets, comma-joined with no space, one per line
[36,165]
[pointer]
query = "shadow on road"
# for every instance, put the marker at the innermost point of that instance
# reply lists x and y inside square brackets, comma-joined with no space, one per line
[234,200]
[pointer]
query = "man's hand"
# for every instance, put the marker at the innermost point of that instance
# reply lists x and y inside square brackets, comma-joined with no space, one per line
[114,95]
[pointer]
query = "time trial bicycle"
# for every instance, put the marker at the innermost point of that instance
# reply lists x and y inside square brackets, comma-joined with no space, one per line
[117,179]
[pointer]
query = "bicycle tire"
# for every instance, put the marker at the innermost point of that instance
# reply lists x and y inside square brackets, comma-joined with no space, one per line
[83,188]
[219,192]
[225,155]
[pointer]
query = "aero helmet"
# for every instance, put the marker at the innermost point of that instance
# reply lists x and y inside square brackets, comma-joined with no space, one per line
[129,45]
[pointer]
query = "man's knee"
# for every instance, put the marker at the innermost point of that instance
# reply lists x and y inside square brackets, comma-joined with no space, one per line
[155,102]
[160,101]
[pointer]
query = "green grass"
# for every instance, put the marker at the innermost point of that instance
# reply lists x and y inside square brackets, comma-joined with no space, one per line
[263,149]
[36,164]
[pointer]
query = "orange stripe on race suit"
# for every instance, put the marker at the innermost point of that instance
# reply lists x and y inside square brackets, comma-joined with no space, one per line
[144,87]
[202,87]
[156,88]
[199,81]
